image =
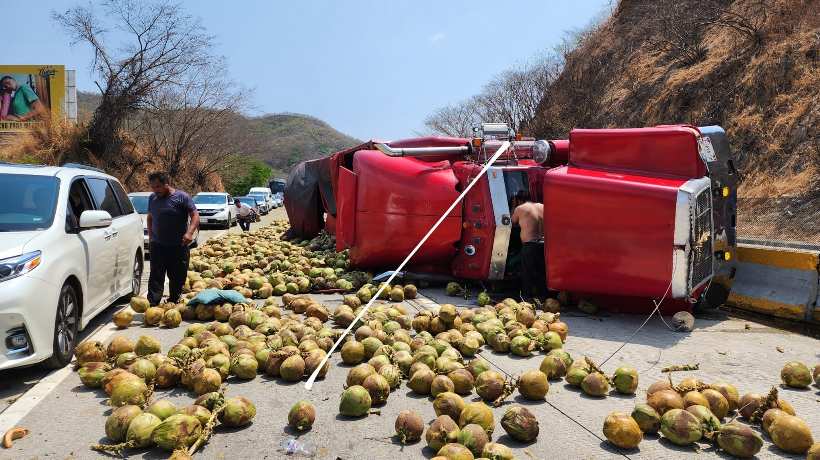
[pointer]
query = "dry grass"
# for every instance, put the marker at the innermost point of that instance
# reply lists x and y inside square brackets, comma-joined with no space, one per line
[60,143]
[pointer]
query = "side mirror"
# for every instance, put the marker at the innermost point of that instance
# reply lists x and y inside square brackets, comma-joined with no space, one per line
[95,219]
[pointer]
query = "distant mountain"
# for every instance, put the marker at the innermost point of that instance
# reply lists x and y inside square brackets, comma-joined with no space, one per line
[283,140]
[280,140]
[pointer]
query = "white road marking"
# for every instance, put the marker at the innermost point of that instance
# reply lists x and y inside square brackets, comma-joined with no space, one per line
[30,399]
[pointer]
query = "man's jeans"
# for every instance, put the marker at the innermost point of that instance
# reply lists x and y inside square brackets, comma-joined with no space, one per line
[170,260]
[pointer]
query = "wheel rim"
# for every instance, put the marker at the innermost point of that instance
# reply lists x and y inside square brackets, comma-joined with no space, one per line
[136,281]
[66,322]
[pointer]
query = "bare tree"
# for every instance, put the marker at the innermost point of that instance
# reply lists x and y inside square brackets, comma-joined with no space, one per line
[162,46]
[190,128]
[455,120]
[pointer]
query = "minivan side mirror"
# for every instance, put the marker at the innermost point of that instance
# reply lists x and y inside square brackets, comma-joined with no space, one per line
[95,219]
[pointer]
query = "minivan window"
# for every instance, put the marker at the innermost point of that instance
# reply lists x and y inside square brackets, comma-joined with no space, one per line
[125,203]
[104,196]
[28,202]
[78,201]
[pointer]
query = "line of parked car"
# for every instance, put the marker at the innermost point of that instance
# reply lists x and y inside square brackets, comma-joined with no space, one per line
[72,242]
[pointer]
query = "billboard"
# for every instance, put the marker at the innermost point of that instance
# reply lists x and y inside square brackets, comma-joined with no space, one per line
[34,93]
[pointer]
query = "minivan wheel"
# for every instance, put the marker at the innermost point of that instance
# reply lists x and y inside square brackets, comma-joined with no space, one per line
[66,327]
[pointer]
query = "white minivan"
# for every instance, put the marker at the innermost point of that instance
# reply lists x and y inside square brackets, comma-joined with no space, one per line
[70,245]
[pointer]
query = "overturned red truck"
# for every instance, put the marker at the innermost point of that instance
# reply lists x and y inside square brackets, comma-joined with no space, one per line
[630,215]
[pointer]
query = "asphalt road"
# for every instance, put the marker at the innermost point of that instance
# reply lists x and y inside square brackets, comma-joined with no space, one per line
[15,382]
[70,417]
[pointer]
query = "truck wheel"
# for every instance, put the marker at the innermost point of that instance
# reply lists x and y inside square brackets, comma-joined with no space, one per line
[66,327]
[714,298]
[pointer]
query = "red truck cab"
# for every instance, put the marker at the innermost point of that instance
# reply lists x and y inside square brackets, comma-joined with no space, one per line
[630,215]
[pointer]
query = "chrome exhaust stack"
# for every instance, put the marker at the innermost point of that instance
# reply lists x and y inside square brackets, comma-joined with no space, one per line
[421,151]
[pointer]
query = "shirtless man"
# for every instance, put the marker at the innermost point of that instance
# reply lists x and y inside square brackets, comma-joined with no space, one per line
[530,217]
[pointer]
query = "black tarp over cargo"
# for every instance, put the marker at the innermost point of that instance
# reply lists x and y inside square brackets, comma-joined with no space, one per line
[308,195]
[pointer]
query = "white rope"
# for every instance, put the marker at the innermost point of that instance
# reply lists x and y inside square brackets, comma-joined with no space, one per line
[504,146]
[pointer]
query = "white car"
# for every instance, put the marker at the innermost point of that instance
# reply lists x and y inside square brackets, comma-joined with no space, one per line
[215,208]
[264,196]
[70,245]
[140,202]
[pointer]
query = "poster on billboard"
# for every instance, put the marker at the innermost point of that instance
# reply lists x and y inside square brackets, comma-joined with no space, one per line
[30,94]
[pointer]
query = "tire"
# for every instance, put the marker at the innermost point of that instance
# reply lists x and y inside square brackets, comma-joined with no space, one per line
[136,275]
[66,328]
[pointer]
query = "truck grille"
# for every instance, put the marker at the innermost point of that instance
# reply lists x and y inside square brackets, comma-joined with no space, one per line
[700,240]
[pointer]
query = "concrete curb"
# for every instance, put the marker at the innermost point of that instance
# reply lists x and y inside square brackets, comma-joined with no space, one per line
[777,282]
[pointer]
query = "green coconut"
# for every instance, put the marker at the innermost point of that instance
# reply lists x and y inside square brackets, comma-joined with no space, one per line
[357,374]
[665,400]
[244,367]
[448,403]
[144,369]
[440,384]
[116,425]
[496,451]
[139,304]
[129,391]
[729,392]
[625,380]
[533,385]
[796,375]
[301,416]
[90,351]
[595,384]
[707,419]
[739,440]
[178,431]
[489,385]
[206,381]
[239,411]
[622,430]
[576,376]
[474,438]
[162,408]
[478,413]
[463,381]
[146,345]
[292,369]
[520,424]
[648,419]
[119,344]
[454,451]
[352,352]
[409,427]
[442,431]
[553,367]
[718,404]
[355,401]
[92,374]
[140,430]
[200,412]
[378,387]
[791,434]
[681,427]
[421,381]
[521,346]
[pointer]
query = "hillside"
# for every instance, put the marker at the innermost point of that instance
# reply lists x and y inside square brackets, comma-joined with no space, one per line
[283,140]
[280,140]
[750,66]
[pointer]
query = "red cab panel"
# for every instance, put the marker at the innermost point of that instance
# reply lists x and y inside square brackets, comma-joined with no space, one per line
[609,233]
[397,202]
[664,150]
[479,225]
[346,209]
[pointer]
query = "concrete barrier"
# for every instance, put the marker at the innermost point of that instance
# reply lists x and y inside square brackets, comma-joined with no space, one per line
[778,282]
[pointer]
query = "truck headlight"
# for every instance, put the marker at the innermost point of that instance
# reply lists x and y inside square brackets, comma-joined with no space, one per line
[13,267]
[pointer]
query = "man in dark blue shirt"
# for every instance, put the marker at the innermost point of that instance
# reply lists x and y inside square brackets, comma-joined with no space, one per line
[172,222]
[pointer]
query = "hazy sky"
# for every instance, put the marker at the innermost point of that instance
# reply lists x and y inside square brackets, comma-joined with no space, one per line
[372,69]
